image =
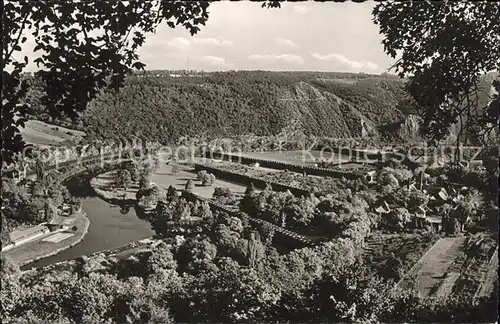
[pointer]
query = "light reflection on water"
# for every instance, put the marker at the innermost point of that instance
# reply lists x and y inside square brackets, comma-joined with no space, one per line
[109,228]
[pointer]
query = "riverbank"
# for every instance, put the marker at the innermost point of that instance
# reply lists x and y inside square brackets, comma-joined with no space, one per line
[110,228]
[40,249]
[103,187]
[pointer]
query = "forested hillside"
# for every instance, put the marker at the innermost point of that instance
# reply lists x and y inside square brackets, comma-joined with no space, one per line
[160,107]
[163,106]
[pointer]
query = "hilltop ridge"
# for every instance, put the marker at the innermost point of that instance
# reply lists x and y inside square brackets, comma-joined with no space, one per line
[161,107]
[164,106]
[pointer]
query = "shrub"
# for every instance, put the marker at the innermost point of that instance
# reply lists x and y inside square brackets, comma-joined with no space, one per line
[8,266]
[208,179]
[398,219]
[201,175]
[171,193]
[250,189]
[190,185]
[222,192]
[4,231]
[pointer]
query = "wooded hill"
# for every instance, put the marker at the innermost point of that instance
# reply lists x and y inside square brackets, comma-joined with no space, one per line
[162,106]
[165,105]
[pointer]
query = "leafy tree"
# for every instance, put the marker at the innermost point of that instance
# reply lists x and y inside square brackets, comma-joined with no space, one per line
[94,296]
[4,231]
[267,233]
[184,213]
[204,211]
[302,211]
[17,204]
[356,296]
[208,179]
[463,212]
[431,38]
[123,179]
[189,186]
[40,170]
[148,197]
[250,189]
[8,267]
[398,218]
[256,250]
[172,193]
[196,250]
[163,216]
[161,258]
[144,181]
[417,198]
[201,175]
[212,179]
[387,178]
[223,195]
[271,206]
[133,169]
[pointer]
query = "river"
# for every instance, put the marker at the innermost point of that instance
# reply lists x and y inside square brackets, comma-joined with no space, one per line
[108,229]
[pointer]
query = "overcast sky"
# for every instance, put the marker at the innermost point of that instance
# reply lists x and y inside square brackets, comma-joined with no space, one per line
[299,36]
[311,36]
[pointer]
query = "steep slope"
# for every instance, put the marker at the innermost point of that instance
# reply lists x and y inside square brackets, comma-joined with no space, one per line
[164,108]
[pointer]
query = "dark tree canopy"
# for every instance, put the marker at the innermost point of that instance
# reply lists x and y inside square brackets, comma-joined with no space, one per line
[444,47]
[85,46]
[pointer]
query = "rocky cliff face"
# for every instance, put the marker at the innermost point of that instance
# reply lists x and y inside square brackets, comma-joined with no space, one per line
[329,114]
[410,127]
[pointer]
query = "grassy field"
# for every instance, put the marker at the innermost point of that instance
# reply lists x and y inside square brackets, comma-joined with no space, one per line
[431,270]
[298,157]
[163,178]
[407,248]
[40,133]
[103,184]
[460,266]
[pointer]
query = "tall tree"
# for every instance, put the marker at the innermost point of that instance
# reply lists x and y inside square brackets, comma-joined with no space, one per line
[123,179]
[444,47]
[189,186]
[40,170]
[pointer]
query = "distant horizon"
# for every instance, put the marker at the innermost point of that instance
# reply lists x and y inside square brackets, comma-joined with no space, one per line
[260,70]
[305,36]
[246,70]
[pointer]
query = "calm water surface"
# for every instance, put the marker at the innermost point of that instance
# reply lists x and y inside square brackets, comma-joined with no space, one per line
[108,229]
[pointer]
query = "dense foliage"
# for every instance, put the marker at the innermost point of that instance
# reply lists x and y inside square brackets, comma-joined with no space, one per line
[235,103]
[223,269]
[444,48]
[226,274]
[31,202]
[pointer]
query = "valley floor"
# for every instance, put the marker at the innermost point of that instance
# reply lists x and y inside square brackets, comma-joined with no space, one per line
[163,178]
